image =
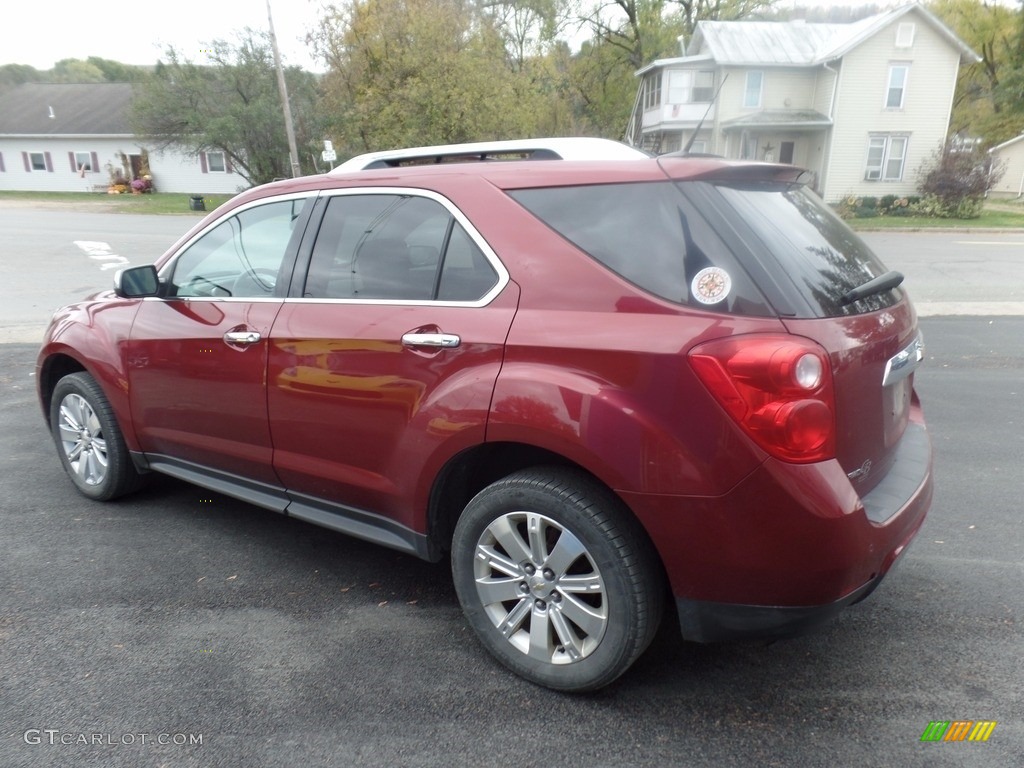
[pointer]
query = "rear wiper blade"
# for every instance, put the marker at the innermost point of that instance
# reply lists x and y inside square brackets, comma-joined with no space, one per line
[880,284]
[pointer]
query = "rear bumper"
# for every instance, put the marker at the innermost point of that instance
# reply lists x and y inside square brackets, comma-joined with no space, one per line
[705,622]
[790,546]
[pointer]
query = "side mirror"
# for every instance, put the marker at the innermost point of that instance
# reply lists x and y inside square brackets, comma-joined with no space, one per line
[137,282]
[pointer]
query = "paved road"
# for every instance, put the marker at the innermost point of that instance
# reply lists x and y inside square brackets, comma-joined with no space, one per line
[179,614]
[43,268]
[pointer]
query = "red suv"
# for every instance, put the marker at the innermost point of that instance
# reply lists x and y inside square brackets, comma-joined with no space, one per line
[594,385]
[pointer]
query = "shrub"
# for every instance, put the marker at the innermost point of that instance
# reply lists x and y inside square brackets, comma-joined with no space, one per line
[955,179]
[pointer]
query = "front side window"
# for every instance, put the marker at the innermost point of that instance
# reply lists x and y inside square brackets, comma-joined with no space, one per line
[83,161]
[752,90]
[887,156]
[395,248]
[241,257]
[897,86]
[37,161]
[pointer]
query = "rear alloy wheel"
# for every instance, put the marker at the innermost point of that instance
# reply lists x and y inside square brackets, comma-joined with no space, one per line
[88,439]
[557,579]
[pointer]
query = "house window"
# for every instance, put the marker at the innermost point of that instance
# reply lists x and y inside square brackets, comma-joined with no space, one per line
[897,86]
[83,161]
[752,91]
[691,87]
[37,160]
[703,87]
[887,155]
[905,35]
[215,162]
[652,91]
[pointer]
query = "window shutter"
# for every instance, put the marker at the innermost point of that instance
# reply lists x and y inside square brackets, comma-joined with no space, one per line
[71,159]
[49,162]
[95,162]
[227,164]
[28,163]
[2,168]
[202,162]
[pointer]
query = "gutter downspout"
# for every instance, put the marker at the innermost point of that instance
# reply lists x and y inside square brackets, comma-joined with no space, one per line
[826,159]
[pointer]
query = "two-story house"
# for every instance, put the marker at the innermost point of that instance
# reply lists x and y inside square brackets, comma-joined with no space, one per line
[861,105]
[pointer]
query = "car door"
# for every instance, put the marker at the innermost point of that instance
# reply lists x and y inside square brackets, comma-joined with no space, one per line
[197,359]
[382,364]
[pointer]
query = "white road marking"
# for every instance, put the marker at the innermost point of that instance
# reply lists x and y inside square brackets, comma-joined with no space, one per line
[100,251]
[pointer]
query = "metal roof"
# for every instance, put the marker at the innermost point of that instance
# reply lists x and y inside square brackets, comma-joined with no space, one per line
[795,43]
[66,109]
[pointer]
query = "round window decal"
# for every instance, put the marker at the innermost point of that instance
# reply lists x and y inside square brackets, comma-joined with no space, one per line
[711,285]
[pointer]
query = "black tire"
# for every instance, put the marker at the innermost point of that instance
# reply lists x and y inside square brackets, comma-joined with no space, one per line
[89,441]
[568,613]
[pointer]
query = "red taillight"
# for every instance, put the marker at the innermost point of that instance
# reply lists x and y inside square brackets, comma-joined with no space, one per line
[777,388]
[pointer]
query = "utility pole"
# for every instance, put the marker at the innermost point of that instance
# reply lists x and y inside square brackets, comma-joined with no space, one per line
[293,151]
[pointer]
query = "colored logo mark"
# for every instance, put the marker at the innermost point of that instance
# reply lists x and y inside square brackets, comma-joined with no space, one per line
[958,730]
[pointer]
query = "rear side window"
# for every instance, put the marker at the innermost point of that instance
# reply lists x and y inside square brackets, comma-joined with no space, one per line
[395,248]
[651,235]
[807,248]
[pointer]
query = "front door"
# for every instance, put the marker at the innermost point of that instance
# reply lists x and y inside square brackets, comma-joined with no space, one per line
[197,359]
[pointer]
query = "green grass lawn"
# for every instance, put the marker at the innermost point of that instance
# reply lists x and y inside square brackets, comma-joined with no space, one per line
[995,216]
[158,203]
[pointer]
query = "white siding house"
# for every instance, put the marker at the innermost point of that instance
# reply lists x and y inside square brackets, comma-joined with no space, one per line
[1009,154]
[861,105]
[62,137]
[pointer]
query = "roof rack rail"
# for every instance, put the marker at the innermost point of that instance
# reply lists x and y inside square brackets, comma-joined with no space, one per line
[575,148]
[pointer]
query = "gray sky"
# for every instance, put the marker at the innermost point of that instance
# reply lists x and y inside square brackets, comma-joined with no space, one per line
[42,32]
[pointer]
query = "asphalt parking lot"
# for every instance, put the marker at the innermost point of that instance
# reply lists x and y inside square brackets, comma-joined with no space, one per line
[181,628]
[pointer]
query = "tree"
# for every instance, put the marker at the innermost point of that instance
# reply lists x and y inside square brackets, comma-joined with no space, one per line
[75,71]
[416,72]
[12,75]
[988,100]
[231,105]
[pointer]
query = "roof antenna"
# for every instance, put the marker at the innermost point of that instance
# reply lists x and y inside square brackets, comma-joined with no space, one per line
[693,138]
[53,116]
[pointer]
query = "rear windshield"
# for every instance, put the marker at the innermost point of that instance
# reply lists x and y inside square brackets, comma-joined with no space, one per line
[797,237]
[653,236]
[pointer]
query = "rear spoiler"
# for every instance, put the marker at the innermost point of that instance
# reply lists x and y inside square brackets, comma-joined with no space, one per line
[675,166]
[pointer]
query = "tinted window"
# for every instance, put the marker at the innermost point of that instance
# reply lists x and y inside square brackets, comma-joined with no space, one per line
[395,247]
[651,235]
[811,246]
[241,257]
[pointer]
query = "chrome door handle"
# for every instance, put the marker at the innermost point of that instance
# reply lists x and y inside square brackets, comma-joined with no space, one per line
[243,338]
[439,340]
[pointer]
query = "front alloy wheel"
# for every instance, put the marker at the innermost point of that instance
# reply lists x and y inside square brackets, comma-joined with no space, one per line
[557,578]
[88,439]
[81,439]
